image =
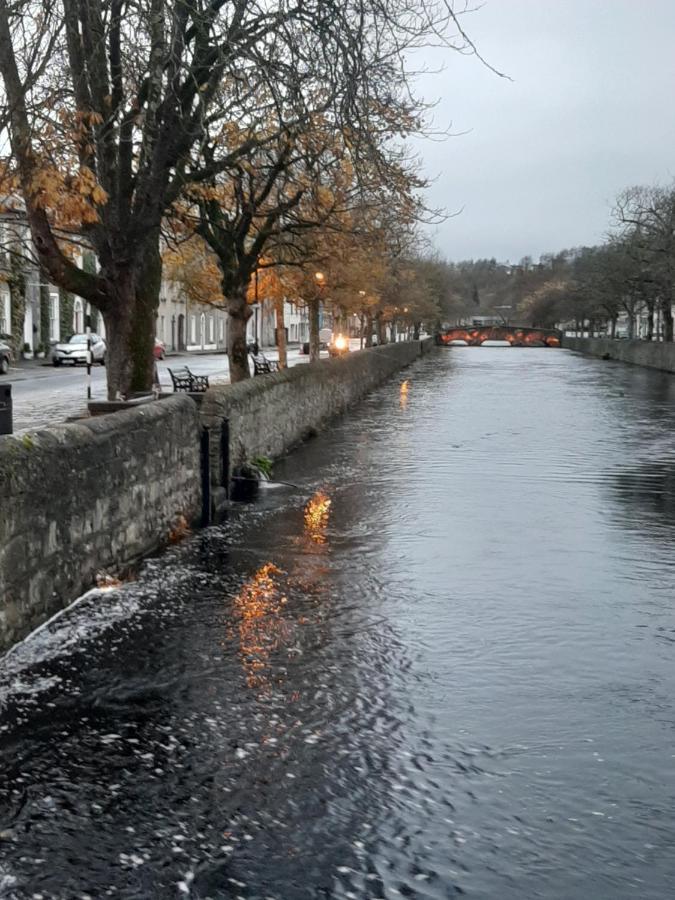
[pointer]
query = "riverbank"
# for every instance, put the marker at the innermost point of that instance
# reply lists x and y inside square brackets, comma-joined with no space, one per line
[650,354]
[441,666]
[95,496]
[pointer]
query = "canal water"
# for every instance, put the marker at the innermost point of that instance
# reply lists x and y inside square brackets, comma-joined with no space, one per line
[440,662]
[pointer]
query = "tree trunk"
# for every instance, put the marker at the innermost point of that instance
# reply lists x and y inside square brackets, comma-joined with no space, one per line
[239,312]
[631,325]
[612,327]
[362,321]
[667,315]
[416,331]
[380,330]
[369,330]
[130,322]
[314,344]
[650,324]
[281,332]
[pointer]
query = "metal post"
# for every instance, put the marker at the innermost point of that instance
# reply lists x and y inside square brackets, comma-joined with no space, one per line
[6,420]
[87,320]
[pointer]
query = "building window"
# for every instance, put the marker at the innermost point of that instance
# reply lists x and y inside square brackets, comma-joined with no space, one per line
[78,316]
[212,330]
[193,329]
[5,316]
[221,330]
[162,333]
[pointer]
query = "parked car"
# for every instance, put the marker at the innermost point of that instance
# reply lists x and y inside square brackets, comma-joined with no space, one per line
[160,349]
[75,350]
[325,337]
[5,357]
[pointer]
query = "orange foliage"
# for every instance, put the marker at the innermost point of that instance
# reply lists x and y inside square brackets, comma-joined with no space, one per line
[194,268]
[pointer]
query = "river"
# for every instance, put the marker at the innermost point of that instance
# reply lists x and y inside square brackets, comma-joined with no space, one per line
[441,664]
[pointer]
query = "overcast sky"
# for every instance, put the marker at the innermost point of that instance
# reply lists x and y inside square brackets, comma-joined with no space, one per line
[590,110]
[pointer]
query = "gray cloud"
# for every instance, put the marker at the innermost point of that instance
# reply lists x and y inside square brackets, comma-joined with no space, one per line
[589,111]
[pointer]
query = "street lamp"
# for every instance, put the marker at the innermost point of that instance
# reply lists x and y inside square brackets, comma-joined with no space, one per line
[314,306]
[362,294]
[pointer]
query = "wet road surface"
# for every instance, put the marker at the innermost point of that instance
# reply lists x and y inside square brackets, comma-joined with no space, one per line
[442,665]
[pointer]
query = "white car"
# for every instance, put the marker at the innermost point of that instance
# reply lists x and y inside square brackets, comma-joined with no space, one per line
[75,350]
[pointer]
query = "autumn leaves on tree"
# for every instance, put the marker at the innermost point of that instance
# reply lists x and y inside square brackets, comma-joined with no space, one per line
[139,130]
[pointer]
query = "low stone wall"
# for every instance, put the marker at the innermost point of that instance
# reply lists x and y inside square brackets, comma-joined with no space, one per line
[96,495]
[80,498]
[651,354]
[270,414]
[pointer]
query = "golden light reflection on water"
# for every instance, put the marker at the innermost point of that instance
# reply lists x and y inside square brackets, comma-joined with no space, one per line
[317,513]
[262,628]
[404,394]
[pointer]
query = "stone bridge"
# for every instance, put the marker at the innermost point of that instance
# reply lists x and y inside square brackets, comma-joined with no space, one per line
[515,335]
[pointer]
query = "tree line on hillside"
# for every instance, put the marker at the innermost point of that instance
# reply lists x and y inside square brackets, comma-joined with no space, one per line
[629,278]
[238,138]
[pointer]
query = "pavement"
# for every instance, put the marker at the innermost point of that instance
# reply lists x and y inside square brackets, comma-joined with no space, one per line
[43,395]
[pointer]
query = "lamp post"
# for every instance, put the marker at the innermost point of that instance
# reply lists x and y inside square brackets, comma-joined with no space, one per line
[362,295]
[314,305]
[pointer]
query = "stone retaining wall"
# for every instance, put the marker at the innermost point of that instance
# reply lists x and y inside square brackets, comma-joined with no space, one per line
[651,354]
[270,414]
[78,499]
[96,495]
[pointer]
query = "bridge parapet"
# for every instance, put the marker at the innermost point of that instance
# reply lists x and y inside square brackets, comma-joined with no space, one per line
[516,336]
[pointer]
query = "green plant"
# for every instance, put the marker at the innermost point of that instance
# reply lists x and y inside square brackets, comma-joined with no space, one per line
[26,348]
[28,442]
[260,467]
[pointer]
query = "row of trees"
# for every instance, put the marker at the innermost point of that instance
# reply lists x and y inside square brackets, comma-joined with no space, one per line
[630,276]
[270,134]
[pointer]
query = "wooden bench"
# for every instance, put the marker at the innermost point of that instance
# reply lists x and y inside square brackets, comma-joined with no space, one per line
[262,365]
[185,380]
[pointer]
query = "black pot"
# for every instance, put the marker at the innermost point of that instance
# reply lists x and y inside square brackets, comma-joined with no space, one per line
[244,489]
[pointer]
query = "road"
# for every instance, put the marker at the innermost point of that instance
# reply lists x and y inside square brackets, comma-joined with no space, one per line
[440,664]
[44,395]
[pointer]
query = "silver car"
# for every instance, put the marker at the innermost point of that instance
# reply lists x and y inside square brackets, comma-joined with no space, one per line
[5,357]
[75,350]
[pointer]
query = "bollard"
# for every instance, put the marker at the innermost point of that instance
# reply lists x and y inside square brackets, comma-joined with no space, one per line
[6,422]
